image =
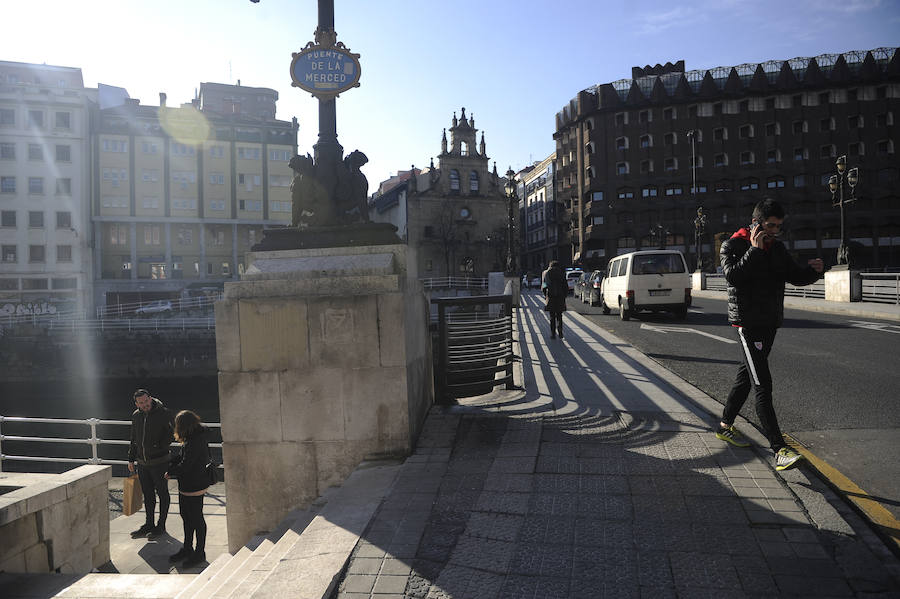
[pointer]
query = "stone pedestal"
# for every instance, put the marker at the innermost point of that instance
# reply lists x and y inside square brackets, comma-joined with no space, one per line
[324,360]
[698,280]
[843,285]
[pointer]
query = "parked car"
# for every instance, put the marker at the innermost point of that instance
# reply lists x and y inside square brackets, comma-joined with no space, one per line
[655,280]
[580,285]
[572,278]
[592,288]
[155,307]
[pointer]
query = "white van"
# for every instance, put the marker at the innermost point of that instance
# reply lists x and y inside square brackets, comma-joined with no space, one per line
[655,280]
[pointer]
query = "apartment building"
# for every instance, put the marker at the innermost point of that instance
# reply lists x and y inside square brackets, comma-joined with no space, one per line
[181,194]
[45,264]
[637,157]
[542,230]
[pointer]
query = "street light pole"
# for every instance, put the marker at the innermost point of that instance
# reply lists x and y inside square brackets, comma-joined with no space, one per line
[511,202]
[699,228]
[836,186]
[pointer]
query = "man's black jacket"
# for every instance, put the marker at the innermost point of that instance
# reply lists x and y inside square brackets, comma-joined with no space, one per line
[756,279]
[151,435]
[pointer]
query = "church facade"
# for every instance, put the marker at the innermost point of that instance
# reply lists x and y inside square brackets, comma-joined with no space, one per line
[454,215]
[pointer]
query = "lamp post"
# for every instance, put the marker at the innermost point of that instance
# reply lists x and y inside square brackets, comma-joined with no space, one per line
[660,233]
[836,186]
[512,201]
[699,229]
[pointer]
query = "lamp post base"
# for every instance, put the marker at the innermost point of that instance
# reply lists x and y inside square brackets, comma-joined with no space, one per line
[842,284]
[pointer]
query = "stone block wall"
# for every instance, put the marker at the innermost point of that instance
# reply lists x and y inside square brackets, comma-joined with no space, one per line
[324,361]
[54,522]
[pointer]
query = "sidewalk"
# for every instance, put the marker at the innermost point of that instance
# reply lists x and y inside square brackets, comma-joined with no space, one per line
[603,479]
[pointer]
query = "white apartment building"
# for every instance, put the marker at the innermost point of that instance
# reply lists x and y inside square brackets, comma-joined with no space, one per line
[45,262]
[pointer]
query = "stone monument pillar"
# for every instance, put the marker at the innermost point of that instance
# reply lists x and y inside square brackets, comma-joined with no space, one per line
[324,360]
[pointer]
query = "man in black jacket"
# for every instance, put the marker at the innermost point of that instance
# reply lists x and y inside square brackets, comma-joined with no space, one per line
[756,267]
[151,435]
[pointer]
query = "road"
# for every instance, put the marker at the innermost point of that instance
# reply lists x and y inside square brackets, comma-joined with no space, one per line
[835,380]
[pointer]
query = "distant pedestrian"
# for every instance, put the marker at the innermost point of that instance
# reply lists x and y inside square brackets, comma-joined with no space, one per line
[189,467]
[756,267]
[151,435]
[555,291]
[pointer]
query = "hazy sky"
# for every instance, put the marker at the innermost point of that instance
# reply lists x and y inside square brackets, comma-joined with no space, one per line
[514,64]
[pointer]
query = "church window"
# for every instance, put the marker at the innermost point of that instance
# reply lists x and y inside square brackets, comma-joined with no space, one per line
[464,148]
[454,181]
[473,182]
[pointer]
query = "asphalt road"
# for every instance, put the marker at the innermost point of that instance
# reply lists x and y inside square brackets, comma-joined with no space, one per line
[835,380]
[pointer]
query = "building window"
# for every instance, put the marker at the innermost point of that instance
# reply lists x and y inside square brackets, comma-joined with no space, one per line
[36,220]
[37,253]
[7,151]
[7,185]
[9,253]
[64,220]
[645,116]
[800,154]
[692,111]
[856,149]
[473,182]
[701,188]
[7,117]
[625,193]
[720,134]
[649,191]
[589,147]
[854,122]
[35,119]
[64,253]
[744,106]
[670,164]
[673,190]
[773,129]
[826,124]
[884,119]
[621,168]
[749,184]
[717,108]
[770,103]
[881,92]
[773,156]
[63,154]
[670,139]
[799,180]
[589,172]
[798,127]
[747,157]
[36,185]
[884,147]
[723,186]
[720,160]
[151,235]
[797,100]
[646,166]
[7,218]
[745,131]
[454,181]
[621,118]
[668,114]
[775,182]
[35,152]
[64,186]
[826,151]
[646,141]
[621,143]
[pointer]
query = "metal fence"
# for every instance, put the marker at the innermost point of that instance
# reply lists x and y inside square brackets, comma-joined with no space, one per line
[186,303]
[816,290]
[455,283]
[475,351]
[95,442]
[881,287]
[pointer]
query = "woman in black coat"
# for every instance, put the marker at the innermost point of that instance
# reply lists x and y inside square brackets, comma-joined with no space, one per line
[189,467]
[555,290]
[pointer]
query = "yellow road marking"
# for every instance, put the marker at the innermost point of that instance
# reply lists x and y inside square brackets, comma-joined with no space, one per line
[877,513]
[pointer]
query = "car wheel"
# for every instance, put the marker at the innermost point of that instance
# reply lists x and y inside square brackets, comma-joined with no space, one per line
[624,313]
[603,307]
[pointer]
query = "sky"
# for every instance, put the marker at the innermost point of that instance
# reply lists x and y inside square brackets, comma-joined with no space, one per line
[512,63]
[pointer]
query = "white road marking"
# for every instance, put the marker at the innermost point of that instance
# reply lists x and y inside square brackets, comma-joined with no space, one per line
[668,329]
[875,326]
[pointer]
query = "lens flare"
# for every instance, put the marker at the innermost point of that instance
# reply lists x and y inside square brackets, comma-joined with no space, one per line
[185,125]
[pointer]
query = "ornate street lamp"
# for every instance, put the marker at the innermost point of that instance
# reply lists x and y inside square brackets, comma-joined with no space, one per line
[660,232]
[836,186]
[512,201]
[699,229]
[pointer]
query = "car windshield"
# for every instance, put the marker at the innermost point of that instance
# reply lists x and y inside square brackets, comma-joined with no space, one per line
[657,264]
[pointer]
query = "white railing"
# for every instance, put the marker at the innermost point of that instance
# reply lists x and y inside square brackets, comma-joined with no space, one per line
[205,301]
[132,324]
[93,440]
[881,287]
[816,290]
[455,283]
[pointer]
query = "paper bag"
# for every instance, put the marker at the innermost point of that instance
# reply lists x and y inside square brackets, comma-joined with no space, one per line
[132,496]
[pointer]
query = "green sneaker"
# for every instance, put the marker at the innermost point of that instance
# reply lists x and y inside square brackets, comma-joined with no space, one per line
[729,434]
[785,458]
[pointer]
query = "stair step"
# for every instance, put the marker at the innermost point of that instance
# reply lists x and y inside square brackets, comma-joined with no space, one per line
[250,575]
[227,573]
[82,586]
[203,577]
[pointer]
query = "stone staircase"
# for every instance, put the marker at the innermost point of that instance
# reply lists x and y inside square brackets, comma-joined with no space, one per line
[302,558]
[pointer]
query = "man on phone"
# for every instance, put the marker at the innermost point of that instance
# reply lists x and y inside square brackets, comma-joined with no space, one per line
[756,266]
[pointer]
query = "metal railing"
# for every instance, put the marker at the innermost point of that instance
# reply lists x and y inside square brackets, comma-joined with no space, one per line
[94,441]
[133,324]
[880,287]
[455,283]
[474,346]
[816,290]
[188,303]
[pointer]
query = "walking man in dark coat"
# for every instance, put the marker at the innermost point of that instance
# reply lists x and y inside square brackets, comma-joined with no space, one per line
[555,290]
[152,429]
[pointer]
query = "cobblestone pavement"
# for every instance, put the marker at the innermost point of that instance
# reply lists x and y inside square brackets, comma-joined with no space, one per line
[599,480]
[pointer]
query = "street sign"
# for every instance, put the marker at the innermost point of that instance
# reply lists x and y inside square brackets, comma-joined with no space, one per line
[325,71]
